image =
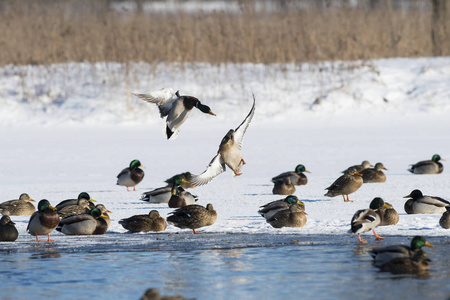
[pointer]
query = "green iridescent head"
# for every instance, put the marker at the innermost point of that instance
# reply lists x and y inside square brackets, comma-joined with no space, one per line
[418,242]
[436,158]
[44,204]
[300,169]
[204,108]
[135,164]
[292,199]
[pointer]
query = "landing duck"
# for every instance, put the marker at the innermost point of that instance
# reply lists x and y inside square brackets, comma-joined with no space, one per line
[229,153]
[43,221]
[18,207]
[364,165]
[294,216]
[82,195]
[283,187]
[131,176]
[175,107]
[8,230]
[297,177]
[193,216]
[271,208]
[83,224]
[374,174]
[144,223]
[420,204]
[432,166]
[444,221]
[345,185]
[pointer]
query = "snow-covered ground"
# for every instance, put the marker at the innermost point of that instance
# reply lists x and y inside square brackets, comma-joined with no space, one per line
[71,128]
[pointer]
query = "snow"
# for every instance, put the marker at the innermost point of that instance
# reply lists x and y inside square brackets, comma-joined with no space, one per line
[72,128]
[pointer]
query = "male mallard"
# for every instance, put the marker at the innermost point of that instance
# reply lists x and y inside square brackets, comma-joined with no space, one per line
[390,215]
[131,176]
[444,221]
[82,224]
[193,216]
[283,187]
[420,204]
[185,184]
[367,219]
[364,165]
[382,255]
[297,177]
[229,153]
[82,195]
[345,185]
[43,221]
[164,194]
[294,216]
[271,208]
[177,108]
[75,209]
[144,223]
[20,207]
[375,174]
[432,166]
[8,232]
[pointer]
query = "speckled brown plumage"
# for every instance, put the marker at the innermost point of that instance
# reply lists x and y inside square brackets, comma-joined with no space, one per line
[145,223]
[193,216]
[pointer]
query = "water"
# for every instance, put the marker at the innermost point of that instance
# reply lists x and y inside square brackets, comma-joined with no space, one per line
[214,266]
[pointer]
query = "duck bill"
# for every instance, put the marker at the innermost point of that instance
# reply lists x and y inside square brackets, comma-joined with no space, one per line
[184,180]
[211,113]
[409,196]
[387,205]
[307,171]
[31,200]
[51,207]
[92,200]
[429,245]
[357,173]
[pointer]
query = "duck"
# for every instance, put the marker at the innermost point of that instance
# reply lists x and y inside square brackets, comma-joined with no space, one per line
[420,204]
[390,215]
[75,209]
[185,184]
[345,185]
[8,230]
[145,223]
[283,187]
[193,216]
[294,216]
[374,175]
[444,221]
[364,165]
[82,195]
[382,255]
[164,194]
[175,107]
[131,176]
[432,166]
[419,264]
[229,153]
[82,224]
[271,208]
[297,177]
[18,207]
[180,198]
[43,221]
[154,294]
[368,219]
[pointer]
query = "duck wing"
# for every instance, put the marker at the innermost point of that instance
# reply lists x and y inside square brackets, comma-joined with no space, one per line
[240,130]
[436,201]
[214,169]
[163,98]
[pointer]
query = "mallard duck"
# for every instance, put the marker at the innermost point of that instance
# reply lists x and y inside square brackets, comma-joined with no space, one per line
[271,208]
[193,216]
[82,195]
[82,224]
[8,230]
[153,294]
[76,209]
[444,221]
[421,204]
[229,153]
[283,187]
[177,108]
[43,221]
[368,219]
[390,215]
[432,166]
[417,264]
[294,216]
[18,207]
[382,255]
[181,198]
[164,194]
[297,177]
[185,184]
[345,185]
[364,165]
[375,174]
[131,176]
[144,223]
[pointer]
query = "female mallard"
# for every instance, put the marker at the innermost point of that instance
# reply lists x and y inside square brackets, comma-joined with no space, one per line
[180,198]
[345,185]
[82,195]
[271,208]
[375,174]
[416,264]
[294,216]
[420,204]
[444,221]
[8,232]
[229,153]
[83,224]
[43,221]
[297,177]
[368,219]
[131,176]
[390,215]
[70,210]
[18,207]
[283,187]
[193,216]
[432,166]
[382,255]
[164,194]
[177,108]
[145,223]
[364,165]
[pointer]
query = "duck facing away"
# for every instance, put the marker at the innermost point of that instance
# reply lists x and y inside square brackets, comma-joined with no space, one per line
[43,221]
[390,215]
[193,216]
[131,176]
[229,153]
[271,208]
[144,223]
[83,224]
[297,177]
[82,195]
[444,221]
[283,187]
[420,204]
[18,207]
[364,165]
[345,185]
[175,107]
[8,230]
[374,175]
[432,166]
[294,216]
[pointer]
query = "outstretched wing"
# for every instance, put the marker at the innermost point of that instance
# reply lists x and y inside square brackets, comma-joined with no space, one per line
[214,169]
[240,130]
[163,98]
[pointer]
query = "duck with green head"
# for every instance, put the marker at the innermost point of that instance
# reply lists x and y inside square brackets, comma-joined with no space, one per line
[297,177]
[18,207]
[432,166]
[83,224]
[422,204]
[8,230]
[131,176]
[271,208]
[43,221]
[145,223]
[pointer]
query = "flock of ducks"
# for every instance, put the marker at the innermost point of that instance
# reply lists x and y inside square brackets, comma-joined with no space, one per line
[81,217]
